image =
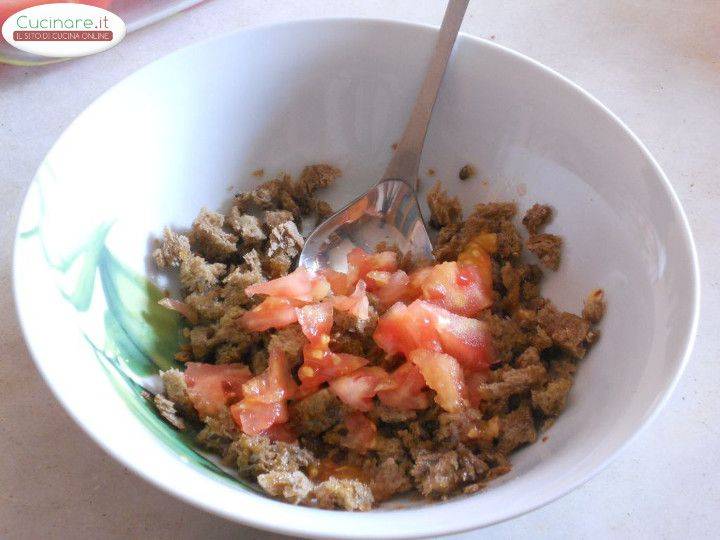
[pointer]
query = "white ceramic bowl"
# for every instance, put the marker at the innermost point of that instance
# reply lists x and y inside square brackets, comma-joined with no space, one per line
[177,134]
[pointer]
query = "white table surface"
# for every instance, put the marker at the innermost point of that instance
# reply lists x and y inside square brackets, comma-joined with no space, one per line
[656,63]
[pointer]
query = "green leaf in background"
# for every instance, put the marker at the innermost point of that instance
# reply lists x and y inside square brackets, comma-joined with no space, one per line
[145,334]
[78,280]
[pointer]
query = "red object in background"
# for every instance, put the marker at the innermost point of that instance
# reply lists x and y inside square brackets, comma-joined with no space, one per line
[8,7]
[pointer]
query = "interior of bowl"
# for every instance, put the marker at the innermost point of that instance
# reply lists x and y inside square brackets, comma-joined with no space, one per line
[188,130]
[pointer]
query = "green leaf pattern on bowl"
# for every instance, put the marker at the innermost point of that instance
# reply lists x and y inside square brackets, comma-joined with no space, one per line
[136,338]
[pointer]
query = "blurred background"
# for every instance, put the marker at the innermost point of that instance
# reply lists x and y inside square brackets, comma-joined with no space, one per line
[655,63]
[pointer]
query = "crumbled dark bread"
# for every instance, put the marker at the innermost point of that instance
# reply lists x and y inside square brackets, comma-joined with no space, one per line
[595,306]
[290,341]
[166,408]
[439,474]
[208,238]
[345,494]
[546,248]
[568,331]
[448,243]
[274,218]
[467,172]
[389,478]
[174,249]
[317,413]
[176,390]
[517,429]
[285,238]
[259,455]
[536,217]
[313,178]
[322,210]
[218,433]
[293,487]
[278,265]
[551,398]
[198,275]
[444,210]
[246,226]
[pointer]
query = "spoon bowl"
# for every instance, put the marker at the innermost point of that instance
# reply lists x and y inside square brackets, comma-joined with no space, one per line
[388,213]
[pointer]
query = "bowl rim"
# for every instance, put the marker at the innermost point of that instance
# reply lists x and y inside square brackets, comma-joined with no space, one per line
[442,528]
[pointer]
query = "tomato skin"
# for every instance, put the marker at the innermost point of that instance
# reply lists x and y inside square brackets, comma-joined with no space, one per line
[265,397]
[256,417]
[476,254]
[280,432]
[212,387]
[272,385]
[404,389]
[360,263]
[391,287]
[423,325]
[356,304]
[361,433]
[457,288]
[467,340]
[338,281]
[273,312]
[358,388]
[402,329]
[320,366]
[443,374]
[301,285]
[315,320]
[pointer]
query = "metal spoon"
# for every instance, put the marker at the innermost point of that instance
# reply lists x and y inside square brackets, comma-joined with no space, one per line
[389,211]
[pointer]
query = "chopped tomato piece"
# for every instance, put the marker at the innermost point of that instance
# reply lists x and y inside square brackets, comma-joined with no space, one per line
[457,288]
[417,278]
[256,417]
[476,253]
[272,312]
[360,263]
[467,340]
[393,287]
[212,387]
[315,320]
[443,374]
[302,285]
[338,280]
[403,329]
[358,388]
[423,325]
[361,433]
[356,304]
[272,385]
[404,389]
[280,432]
[320,366]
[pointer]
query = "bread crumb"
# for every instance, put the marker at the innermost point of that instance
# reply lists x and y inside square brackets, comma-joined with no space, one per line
[595,306]
[293,487]
[467,172]
[343,493]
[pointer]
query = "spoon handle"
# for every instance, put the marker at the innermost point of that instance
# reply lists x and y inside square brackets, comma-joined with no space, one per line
[406,160]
